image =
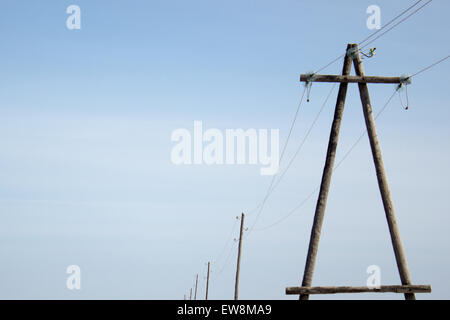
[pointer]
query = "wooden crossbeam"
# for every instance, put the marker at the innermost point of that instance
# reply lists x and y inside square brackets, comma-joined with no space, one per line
[381,289]
[349,79]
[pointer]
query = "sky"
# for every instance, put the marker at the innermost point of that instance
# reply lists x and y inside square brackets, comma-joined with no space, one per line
[86,177]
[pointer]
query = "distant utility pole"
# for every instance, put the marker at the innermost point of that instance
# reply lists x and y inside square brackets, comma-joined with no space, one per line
[236,287]
[207,282]
[184,297]
[190,294]
[196,284]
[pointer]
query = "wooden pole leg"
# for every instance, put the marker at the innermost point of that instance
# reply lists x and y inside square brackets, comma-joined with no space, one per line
[326,180]
[238,266]
[381,176]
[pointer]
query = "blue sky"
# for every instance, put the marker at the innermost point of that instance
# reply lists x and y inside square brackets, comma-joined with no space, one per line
[86,118]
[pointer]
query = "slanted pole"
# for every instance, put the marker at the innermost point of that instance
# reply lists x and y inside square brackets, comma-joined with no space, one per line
[326,180]
[196,284]
[382,179]
[207,282]
[238,266]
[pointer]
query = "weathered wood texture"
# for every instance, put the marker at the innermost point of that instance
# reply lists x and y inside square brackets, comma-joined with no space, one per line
[348,79]
[207,282]
[382,179]
[333,290]
[238,267]
[326,180]
[196,284]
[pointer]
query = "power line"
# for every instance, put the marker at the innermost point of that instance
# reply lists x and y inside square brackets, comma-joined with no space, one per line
[304,139]
[430,66]
[297,151]
[364,133]
[391,21]
[378,31]
[305,200]
[291,212]
[227,241]
[261,206]
[225,263]
[292,125]
[302,143]
[330,63]
[395,25]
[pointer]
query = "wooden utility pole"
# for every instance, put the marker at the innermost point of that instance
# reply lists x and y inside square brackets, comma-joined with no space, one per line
[196,284]
[238,267]
[207,282]
[353,53]
[190,294]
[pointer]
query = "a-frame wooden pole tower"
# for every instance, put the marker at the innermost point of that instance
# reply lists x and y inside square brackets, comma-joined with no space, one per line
[353,55]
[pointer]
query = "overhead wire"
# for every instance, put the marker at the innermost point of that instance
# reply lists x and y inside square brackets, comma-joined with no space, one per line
[305,200]
[261,206]
[305,138]
[378,31]
[225,263]
[390,22]
[230,236]
[302,142]
[282,154]
[395,25]
[430,66]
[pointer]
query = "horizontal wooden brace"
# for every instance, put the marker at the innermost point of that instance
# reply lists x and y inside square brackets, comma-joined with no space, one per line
[333,290]
[349,79]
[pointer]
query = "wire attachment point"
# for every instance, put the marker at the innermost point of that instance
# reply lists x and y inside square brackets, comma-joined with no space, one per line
[308,84]
[369,54]
[352,53]
[404,82]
